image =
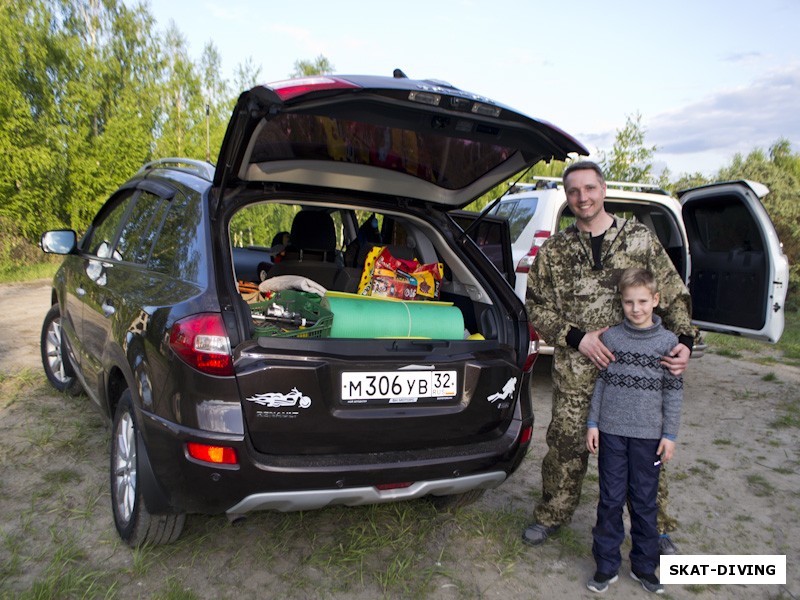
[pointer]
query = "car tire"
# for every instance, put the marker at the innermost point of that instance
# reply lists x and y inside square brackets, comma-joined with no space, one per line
[135,525]
[452,502]
[54,359]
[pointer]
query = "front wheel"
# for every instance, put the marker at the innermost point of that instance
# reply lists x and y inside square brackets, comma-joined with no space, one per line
[54,360]
[135,525]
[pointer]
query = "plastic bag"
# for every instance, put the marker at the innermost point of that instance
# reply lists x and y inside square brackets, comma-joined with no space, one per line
[390,277]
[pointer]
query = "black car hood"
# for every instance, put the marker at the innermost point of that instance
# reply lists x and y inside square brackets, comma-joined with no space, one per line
[414,139]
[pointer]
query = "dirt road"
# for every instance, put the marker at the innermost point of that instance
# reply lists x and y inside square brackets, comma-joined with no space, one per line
[735,487]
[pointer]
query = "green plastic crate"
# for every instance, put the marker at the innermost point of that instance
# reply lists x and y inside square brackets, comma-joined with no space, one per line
[300,305]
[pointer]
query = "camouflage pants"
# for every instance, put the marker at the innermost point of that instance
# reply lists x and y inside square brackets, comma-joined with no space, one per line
[564,465]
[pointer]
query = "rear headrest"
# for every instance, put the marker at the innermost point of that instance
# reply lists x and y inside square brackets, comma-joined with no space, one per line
[313,230]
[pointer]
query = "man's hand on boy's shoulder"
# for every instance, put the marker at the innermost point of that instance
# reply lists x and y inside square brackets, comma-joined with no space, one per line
[677,360]
[593,348]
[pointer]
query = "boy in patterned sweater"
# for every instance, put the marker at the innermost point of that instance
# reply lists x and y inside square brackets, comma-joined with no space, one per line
[633,422]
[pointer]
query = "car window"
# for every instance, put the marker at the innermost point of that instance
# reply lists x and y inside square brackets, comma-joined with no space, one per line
[180,251]
[256,225]
[432,155]
[104,232]
[140,228]
[519,213]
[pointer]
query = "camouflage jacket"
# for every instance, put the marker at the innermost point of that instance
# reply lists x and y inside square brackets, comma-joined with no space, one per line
[564,291]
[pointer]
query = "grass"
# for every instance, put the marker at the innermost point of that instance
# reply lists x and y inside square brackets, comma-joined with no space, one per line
[21,273]
[61,542]
[790,407]
[760,486]
[736,347]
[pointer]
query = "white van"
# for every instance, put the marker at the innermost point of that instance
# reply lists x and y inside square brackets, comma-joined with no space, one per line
[719,237]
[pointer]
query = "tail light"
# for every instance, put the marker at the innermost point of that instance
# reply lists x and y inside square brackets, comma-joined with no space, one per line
[219,455]
[202,342]
[533,348]
[526,436]
[385,487]
[526,261]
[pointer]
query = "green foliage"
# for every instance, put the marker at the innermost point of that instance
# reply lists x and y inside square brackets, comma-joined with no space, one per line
[685,181]
[89,91]
[788,347]
[553,168]
[306,68]
[630,159]
[256,225]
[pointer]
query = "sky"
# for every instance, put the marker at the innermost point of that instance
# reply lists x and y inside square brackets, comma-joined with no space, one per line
[708,78]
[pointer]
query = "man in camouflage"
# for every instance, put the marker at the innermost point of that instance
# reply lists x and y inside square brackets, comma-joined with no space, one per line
[571,300]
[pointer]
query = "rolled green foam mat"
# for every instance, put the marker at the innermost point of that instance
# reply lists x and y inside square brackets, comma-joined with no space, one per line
[356,317]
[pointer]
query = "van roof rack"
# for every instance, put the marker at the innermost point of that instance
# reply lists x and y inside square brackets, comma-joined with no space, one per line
[188,165]
[540,182]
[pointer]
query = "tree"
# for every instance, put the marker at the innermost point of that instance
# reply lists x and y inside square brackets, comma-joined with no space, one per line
[630,159]
[216,97]
[686,181]
[181,129]
[107,104]
[31,173]
[306,68]
[246,76]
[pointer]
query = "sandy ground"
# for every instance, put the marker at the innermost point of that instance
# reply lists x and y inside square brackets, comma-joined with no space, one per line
[735,481]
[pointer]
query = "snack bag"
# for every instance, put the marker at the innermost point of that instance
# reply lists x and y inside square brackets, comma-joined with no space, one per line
[390,277]
[428,277]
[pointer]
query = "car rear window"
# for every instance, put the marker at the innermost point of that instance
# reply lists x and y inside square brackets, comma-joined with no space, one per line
[518,212]
[449,162]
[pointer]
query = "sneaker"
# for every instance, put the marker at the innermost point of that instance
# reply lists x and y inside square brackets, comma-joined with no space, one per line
[666,546]
[537,533]
[599,583]
[649,582]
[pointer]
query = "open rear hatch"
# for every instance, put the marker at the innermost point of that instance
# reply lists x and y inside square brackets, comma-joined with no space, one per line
[414,139]
[420,143]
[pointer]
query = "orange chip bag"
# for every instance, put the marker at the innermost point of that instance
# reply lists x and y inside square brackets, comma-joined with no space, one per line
[387,276]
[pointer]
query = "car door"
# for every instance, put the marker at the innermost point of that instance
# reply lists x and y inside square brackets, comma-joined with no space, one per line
[119,241]
[739,273]
[492,236]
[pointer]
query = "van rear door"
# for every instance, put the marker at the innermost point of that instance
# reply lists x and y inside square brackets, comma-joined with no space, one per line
[740,275]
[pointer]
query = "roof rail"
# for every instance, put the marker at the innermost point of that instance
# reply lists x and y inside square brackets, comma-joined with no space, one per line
[540,183]
[543,183]
[652,187]
[188,165]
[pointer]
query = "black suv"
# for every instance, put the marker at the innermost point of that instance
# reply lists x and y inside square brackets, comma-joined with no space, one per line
[384,357]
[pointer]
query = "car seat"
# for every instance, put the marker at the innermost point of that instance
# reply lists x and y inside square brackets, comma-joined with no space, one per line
[312,249]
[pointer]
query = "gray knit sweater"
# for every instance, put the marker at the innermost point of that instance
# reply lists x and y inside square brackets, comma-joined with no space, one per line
[635,396]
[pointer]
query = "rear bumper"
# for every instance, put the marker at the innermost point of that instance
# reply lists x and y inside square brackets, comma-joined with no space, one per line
[314,499]
[293,483]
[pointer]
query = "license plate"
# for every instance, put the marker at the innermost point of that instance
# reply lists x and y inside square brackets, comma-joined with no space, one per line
[397,386]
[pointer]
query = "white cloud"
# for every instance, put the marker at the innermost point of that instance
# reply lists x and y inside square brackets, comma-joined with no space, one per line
[735,120]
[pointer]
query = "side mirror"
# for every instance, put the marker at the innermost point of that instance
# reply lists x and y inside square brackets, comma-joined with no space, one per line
[62,241]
